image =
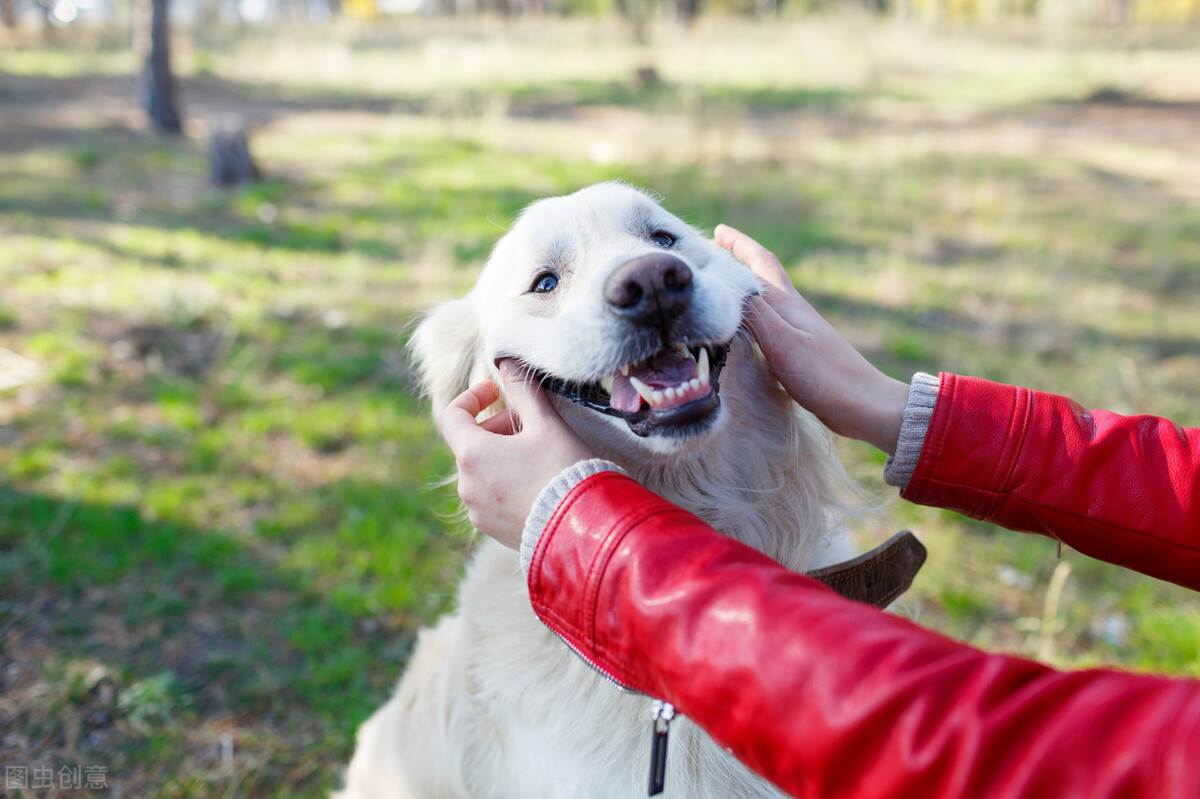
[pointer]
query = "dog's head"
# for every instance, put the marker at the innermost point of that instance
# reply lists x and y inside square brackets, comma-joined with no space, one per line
[624,312]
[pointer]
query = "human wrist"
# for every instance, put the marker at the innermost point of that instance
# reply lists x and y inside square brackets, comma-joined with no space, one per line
[551,496]
[877,411]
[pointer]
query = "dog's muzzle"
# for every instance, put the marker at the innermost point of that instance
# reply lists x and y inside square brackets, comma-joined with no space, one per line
[675,391]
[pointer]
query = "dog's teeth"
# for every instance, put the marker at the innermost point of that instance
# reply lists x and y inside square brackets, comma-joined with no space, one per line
[694,383]
[625,370]
[607,383]
[702,366]
[658,398]
[684,351]
[669,393]
[643,390]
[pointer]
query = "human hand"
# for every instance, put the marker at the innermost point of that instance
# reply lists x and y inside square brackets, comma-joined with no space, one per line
[506,460]
[819,368]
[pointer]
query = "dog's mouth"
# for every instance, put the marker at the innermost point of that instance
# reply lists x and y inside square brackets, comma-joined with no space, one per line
[675,390]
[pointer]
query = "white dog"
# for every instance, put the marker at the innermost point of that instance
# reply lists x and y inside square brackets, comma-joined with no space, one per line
[633,320]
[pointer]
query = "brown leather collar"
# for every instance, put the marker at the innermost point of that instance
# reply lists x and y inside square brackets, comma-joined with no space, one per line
[877,577]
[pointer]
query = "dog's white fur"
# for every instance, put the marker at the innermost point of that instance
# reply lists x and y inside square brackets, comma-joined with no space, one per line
[493,705]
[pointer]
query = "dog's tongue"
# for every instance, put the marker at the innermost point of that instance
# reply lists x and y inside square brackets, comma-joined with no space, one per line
[667,369]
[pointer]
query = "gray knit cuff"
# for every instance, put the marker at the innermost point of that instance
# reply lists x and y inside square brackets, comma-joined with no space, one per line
[922,396]
[550,498]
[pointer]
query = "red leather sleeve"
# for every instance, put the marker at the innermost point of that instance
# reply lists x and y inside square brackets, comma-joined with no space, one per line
[831,698]
[1124,489]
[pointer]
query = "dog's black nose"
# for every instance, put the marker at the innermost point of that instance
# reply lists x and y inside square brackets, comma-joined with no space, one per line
[650,290]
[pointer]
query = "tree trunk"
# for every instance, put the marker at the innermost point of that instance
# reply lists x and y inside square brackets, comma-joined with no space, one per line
[687,10]
[8,13]
[158,84]
[636,12]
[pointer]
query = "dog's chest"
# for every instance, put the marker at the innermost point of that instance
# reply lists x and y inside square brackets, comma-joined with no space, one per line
[566,731]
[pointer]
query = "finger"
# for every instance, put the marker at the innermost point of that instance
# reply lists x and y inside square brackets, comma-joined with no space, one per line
[477,398]
[766,325]
[525,394]
[762,262]
[457,422]
[504,423]
[792,310]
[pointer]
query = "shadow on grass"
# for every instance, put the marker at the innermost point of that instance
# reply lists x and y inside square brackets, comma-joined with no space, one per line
[1111,97]
[141,644]
[413,198]
[27,97]
[559,99]
[1046,339]
[235,660]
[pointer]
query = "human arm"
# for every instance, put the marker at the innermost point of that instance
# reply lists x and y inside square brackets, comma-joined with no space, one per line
[1124,489]
[822,696]
[827,697]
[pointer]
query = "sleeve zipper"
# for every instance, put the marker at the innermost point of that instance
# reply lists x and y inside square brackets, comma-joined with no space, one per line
[664,713]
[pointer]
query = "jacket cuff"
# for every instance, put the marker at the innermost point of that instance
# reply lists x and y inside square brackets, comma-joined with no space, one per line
[551,497]
[922,396]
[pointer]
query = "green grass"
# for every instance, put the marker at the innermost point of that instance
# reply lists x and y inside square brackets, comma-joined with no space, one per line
[219,526]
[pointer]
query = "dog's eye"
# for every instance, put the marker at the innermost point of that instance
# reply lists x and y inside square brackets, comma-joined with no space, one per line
[544,283]
[663,239]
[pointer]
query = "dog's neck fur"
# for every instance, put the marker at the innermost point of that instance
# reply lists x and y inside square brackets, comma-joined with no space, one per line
[754,491]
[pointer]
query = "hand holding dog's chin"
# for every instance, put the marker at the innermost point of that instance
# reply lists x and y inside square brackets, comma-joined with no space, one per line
[506,460]
[819,368]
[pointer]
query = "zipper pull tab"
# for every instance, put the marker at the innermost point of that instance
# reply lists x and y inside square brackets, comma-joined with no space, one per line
[663,713]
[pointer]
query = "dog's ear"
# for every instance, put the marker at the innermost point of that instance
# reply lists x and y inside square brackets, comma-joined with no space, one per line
[445,349]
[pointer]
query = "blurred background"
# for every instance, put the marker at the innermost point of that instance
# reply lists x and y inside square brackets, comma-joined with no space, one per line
[220,525]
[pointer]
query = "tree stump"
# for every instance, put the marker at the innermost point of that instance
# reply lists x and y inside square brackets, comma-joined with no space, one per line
[229,159]
[647,78]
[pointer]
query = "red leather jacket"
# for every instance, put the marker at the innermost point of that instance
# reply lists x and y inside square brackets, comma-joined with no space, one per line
[831,698]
